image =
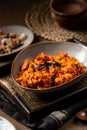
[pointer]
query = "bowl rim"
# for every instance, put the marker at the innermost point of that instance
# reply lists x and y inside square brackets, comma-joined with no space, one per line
[66,14]
[50,89]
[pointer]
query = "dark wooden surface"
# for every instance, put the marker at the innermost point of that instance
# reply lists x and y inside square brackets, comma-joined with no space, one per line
[13,13]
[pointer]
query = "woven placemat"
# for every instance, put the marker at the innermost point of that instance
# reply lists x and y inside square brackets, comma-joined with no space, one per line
[39,19]
[34,101]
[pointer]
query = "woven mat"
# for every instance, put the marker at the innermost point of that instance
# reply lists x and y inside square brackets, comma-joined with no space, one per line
[39,19]
[35,102]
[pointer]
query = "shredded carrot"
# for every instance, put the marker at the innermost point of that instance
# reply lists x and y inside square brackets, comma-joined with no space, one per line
[46,71]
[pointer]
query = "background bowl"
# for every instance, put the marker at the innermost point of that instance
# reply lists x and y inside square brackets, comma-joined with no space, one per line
[73,49]
[69,13]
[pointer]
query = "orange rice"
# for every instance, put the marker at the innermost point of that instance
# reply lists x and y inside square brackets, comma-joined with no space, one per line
[46,71]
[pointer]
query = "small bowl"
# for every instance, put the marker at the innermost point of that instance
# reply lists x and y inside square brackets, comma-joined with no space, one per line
[69,13]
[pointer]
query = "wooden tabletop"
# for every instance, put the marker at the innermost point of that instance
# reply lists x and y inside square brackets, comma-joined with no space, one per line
[13,13]
[72,124]
[16,124]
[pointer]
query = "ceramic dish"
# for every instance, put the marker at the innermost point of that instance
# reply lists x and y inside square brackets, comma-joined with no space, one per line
[73,49]
[18,29]
[69,14]
[68,8]
[5,124]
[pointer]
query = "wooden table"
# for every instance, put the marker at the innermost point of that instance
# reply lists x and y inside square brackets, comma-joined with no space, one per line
[13,13]
[72,124]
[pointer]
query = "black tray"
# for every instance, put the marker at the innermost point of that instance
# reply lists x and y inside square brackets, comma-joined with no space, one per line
[41,105]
